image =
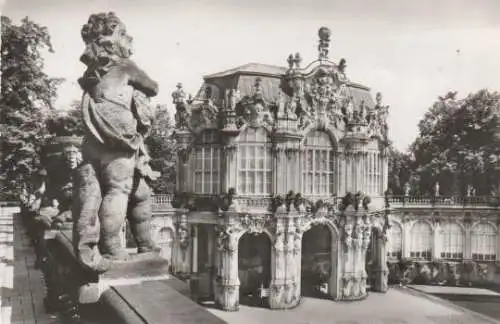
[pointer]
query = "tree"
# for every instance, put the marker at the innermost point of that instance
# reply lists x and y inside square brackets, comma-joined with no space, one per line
[455,146]
[163,151]
[399,171]
[27,94]
[66,122]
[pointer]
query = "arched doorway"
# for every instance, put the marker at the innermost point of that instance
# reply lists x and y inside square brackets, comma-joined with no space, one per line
[254,267]
[319,262]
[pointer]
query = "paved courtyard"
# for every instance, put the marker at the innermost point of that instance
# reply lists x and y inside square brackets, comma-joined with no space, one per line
[21,286]
[398,306]
[484,301]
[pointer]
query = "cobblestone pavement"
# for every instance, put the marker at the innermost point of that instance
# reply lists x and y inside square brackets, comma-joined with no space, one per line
[21,286]
[397,306]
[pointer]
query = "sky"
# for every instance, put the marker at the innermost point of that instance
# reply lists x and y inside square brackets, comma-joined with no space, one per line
[411,51]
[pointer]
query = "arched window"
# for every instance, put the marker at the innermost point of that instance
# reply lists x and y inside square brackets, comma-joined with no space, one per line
[452,241]
[395,243]
[255,162]
[421,241]
[318,165]
[207,164]
[484,242]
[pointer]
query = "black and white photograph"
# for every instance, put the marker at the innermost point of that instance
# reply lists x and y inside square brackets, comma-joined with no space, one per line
[250,162]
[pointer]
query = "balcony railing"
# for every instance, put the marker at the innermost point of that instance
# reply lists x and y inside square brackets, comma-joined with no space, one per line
[162,201]
[442,201]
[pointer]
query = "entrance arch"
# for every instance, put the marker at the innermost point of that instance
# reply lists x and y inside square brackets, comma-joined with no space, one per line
[254,267]
[319,262]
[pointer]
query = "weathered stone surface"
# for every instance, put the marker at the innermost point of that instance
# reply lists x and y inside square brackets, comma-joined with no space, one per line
[110,185]
[149,300]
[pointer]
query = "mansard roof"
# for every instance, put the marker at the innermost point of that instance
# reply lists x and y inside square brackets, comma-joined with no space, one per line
[252,69]
[270,76]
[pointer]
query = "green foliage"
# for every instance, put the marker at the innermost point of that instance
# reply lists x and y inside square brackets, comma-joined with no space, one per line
[162,148]
[399,171]
[66,122]
[27,94]
[456,147]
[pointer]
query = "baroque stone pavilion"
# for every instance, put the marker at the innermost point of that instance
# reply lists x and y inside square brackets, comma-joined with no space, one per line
[273,166]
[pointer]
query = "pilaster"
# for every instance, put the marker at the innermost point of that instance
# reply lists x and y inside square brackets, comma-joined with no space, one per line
[230,174]
[355,241]
[228,283]
[381,271]
[436,242]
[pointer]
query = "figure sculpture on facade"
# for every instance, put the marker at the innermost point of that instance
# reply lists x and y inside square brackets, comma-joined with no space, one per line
[110,185]
[181,113]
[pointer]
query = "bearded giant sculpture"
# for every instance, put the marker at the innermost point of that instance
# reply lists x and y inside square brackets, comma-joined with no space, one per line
[111,184]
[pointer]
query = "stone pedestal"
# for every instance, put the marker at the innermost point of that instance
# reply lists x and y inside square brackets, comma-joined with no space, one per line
[69,278]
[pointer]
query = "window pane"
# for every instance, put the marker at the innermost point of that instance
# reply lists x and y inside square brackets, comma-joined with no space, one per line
[318,168]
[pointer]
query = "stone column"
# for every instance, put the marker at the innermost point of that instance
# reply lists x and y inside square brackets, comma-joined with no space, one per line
[194,249]
[290,262]
[183,138]
[230,175]
[385,166]
[341,179]
[230,282]
[381,272]
[406,236]
[355,242]
[278,282]
[436,242]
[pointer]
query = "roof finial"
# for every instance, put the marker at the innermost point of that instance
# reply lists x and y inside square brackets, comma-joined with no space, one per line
[324,42]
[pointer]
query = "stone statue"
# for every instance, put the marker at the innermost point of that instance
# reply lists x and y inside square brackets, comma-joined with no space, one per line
[110,185]
[407,188]
[72,159]
[436,189]
[181,113]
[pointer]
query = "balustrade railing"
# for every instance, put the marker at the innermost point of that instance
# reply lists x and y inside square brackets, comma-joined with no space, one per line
[254,202]
[162,201]
[444,201]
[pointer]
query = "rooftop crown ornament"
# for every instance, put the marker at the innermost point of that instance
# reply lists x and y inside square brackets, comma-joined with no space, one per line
[324,34]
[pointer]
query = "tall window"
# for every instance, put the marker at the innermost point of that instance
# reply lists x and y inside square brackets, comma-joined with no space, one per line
[395,243]
[255,162]
[318,165]
[207,164]
[421,241]
[452,241]
[484,242]
[374,173]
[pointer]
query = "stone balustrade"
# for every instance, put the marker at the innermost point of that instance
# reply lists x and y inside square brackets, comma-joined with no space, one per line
[162,201]
[442,201]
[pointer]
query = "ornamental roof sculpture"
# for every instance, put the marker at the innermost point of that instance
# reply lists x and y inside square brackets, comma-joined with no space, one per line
[293,100]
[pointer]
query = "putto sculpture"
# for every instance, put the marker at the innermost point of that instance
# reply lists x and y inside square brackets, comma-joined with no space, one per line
[111,184]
